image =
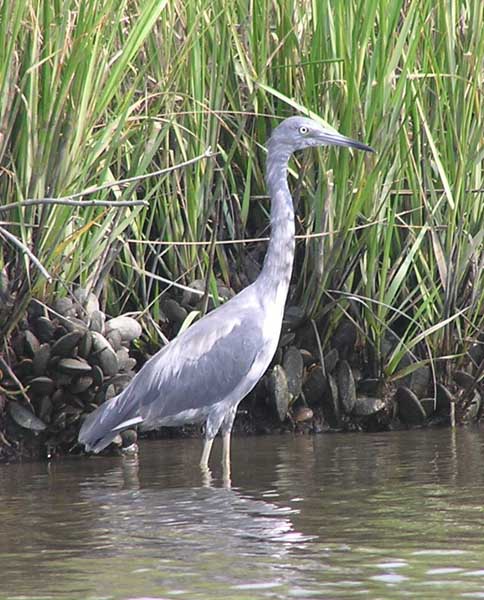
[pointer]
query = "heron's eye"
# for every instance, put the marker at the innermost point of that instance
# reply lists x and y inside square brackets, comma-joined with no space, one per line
[303,130]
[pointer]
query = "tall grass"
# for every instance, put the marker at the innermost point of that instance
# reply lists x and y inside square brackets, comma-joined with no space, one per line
[93,92]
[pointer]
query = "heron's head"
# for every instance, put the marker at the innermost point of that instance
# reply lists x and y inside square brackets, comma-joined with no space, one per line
[296,133]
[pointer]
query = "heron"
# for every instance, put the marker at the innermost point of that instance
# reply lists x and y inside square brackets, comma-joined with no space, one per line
[202,375]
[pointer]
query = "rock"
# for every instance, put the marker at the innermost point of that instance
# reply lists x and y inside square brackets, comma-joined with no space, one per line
[346,386]
[108,361]
[463,379]
[280,391]
[293,367]
[314,386]
[410,411]
[42,386]
[97,320]
[128,327]
[444,400]
[330,360]
[73,366]
[365,406]
[24,417]
[41,359]
[65,345]
[44,328]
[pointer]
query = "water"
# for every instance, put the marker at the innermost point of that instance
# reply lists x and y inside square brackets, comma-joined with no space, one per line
[396,515]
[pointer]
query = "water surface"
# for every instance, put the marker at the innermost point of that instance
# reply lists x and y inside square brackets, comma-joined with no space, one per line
[394,515]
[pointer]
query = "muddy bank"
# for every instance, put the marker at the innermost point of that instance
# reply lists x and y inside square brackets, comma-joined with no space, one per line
[64,360]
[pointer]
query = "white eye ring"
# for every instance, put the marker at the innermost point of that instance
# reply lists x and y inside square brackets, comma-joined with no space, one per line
[303,130]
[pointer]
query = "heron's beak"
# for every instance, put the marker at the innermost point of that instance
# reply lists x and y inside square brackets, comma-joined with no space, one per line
[333,138]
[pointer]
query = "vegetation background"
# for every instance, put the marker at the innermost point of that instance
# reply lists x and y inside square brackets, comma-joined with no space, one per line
[94,91]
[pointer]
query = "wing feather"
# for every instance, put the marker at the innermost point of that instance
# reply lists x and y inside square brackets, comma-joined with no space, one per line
[201,367]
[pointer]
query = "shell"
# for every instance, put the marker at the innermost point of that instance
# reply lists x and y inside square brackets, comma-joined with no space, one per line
[41,359]
[24,417]
[96,322]
[346,386]
[97,375]
[444,400]
[85,345]
[173,311]
[314,386]
[65,345]
[280,391]
[108,361]
[410,411]
[44,328]
[73,366]
[128,327]
[301,414]
[81,384]
[42,386]
[64,307]
[365,406]
[115,339]
[330,403]
[32,344]
[330,360]
[293,366]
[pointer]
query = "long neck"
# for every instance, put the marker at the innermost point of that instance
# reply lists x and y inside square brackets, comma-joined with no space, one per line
[276,272]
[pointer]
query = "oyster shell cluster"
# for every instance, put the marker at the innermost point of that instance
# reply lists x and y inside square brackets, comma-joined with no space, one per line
[68,359]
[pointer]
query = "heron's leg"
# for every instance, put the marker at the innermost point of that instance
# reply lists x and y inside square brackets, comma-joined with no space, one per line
[226,432]
[207,447]
[226,449]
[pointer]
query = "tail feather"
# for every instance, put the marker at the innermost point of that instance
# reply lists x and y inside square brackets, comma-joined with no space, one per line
[102,425]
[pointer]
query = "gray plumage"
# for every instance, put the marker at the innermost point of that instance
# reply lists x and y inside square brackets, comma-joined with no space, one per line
[205,372]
